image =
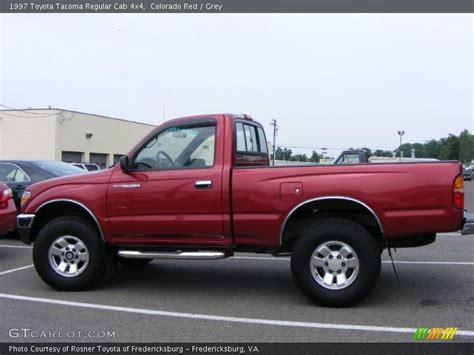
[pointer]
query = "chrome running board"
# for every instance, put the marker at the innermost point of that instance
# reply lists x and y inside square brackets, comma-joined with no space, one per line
[191,255]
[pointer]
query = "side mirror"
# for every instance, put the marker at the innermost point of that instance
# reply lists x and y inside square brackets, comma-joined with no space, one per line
[125,164]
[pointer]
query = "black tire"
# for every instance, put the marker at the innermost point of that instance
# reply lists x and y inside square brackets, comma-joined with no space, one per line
[345,232]
[83,231]
[133,262]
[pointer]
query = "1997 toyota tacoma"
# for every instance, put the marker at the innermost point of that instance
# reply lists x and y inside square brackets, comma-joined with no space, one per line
[202,188]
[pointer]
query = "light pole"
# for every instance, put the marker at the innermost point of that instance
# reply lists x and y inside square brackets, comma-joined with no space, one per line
[275,129]
[401,133]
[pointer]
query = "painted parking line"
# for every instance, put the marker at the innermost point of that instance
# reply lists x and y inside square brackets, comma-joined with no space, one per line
[208,317]
[470,263]
[287,259]
[14,270]
[15,246]
[431,262]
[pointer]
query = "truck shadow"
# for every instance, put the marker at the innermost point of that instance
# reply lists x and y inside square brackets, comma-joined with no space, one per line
[272,282]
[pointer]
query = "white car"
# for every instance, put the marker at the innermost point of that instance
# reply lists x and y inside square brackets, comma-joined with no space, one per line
[87,166]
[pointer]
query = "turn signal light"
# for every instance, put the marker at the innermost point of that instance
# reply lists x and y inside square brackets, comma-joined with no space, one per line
[24,198]
[458,192]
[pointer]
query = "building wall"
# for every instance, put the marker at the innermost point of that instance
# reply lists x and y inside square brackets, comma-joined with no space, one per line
[109,136]
[27,136]
[45,134]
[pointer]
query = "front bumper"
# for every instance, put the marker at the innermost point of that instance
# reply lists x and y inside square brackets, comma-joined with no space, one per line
[468,226]
[24,224]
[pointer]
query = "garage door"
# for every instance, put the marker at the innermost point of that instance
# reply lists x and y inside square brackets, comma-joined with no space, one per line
[99,158]
[71,157]
[117,158]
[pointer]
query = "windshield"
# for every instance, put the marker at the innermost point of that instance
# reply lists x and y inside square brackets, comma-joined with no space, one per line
[57,168]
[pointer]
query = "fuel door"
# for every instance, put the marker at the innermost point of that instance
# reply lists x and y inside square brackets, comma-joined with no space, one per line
[291,191]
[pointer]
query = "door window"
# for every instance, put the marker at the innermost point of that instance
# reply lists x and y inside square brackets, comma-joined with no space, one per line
[179,147]
[12,173]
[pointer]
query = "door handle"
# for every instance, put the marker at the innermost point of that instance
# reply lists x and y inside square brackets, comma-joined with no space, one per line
[203,184]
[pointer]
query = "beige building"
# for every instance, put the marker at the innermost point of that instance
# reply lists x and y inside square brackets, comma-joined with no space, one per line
[69,136]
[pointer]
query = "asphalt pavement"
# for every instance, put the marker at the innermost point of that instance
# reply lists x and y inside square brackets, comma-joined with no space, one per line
[247,298]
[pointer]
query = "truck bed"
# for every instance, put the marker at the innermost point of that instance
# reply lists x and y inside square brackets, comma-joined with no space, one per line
[408,198]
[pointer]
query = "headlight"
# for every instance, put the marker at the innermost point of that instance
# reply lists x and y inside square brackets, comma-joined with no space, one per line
[25,197]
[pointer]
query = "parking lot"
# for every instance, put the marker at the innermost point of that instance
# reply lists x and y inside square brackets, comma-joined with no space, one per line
[244,298]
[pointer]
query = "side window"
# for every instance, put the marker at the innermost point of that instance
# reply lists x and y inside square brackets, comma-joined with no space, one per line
[250,139]
[204,153]
[262,141]
[240,137]
[178,147]
[11,173]
[20,176]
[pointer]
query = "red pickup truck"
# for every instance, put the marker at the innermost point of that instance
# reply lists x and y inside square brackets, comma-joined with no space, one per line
[202,188]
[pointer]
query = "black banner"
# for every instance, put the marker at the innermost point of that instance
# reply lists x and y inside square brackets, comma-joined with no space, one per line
[237,348]
[237,6]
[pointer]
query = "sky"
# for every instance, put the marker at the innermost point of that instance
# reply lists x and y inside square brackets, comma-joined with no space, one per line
[330,80]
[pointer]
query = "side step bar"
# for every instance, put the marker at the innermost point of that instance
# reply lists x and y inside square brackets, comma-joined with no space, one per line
[191,255]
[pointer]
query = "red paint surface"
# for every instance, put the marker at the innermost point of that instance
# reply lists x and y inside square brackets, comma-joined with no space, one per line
[7,213]
[249,204]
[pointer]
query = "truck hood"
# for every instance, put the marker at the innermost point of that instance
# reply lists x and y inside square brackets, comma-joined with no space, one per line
[98,177]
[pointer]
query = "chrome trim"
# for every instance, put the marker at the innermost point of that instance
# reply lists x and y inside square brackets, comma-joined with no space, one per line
[126,186]
[203,183]
[468,227]
[329,198]
[80,205]
[190,255]
[31,217]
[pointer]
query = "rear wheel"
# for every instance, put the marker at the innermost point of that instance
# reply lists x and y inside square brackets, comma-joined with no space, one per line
[68,254]
[335,262]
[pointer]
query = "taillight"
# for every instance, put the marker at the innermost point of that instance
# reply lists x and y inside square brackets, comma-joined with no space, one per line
[458,192]
[5,197]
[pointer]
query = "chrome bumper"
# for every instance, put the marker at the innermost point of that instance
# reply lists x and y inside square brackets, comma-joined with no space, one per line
[468,226]
[24,223]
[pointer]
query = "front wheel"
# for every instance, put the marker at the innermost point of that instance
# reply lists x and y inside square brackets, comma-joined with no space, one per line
[68,254]
[335,262]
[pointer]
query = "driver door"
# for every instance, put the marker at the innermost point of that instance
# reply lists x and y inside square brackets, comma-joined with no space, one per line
[172,195]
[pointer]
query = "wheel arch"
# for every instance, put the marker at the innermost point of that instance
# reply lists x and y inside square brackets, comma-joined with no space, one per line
[342,206]
[63,207]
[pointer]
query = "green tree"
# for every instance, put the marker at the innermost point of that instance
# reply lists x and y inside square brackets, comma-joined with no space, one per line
[466,146]
[382,153]
[449,148]
[283,154]
[315,157]
[299,157]
[432,148]
[405,148]
[419,150]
